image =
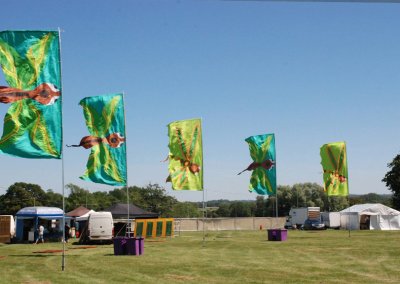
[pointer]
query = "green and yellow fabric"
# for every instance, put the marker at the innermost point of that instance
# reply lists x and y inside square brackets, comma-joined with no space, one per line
[105,120]
[30,61]
[334,164]
[186,155]
[262,151]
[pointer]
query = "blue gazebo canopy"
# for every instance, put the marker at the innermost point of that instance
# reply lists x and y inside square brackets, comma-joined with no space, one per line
[35,213]
[41,212]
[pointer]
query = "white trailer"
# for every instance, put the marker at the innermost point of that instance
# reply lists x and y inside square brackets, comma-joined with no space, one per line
[297,216]
[7,228]
[331,219]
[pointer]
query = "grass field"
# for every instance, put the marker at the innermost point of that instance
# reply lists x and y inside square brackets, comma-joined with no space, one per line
[227,257]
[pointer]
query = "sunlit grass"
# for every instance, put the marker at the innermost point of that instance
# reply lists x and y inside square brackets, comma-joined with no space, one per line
[225,257]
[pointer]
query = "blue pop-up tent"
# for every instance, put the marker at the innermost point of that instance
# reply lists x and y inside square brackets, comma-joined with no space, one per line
[28,220]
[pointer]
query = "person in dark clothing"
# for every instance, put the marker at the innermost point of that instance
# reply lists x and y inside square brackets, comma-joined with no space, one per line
[66,233]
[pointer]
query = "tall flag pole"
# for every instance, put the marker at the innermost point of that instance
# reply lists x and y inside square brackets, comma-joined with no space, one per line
[186,157]
[107,164]
[276,190]
[31,64]
[126,170]
[334,165]
[62,160]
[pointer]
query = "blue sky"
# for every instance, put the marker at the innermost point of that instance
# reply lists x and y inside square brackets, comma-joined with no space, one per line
[311,73]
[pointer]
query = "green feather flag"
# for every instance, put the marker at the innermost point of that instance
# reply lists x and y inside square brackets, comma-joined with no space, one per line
[30,61]
[334,164]
[186,155]
[105,120]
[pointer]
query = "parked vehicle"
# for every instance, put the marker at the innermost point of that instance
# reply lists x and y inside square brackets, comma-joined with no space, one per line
[297,216]
[331,219]
[7,228]
[310,224]
[100,227]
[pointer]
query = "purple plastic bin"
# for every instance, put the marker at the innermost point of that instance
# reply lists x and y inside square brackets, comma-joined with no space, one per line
[120,245]
[141,245]
[133,246]
[277,235]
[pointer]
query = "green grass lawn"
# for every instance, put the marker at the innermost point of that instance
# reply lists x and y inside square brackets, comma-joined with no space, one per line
[227,257]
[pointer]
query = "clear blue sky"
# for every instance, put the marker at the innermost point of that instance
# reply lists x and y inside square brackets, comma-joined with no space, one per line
[311,73]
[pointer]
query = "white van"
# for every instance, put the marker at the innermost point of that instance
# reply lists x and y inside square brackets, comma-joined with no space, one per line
[100,226]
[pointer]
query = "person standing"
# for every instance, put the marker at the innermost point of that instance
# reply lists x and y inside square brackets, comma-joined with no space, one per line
[66,233]
[40,235]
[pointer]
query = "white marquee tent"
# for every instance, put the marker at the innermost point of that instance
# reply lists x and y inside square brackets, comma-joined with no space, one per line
[370,216]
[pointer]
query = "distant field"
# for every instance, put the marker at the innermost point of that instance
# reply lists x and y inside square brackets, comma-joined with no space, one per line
[228,257]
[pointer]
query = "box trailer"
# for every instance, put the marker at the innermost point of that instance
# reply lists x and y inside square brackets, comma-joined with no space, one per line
[297,216]
[331,219]
[7,228]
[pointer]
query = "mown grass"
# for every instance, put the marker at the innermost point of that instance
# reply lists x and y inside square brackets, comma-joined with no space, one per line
[227,257]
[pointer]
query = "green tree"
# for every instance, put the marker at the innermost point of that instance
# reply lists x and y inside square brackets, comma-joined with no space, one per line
[337,203]
[260,206]
[185,210]
[78,197]
[392,180]
[240,209]
[20,195]
[152,198]
[100,200]
[223,210]
[53,199]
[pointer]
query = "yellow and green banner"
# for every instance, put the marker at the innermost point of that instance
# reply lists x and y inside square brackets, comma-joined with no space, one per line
[105,120]
[186,155]
[30,61]
[334,164]
[262,151]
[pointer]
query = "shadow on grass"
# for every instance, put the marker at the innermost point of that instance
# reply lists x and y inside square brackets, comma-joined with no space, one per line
[33,255]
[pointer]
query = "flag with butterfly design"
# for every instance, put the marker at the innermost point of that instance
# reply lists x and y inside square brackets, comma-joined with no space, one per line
[263,167]
[186,155]
[105,120]
[334,164]
[30,61]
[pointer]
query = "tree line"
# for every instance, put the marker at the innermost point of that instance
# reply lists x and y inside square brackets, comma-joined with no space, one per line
[155,198]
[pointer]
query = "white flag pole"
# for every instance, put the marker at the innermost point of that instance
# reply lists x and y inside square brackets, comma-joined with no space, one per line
[128,226]
[62,158]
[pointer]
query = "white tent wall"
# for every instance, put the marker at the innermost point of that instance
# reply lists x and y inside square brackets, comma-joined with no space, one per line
[351,218]
[386,222]
[394,222]
[374,223]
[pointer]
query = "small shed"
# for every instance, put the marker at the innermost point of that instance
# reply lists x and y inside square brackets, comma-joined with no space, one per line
[370,216]
[119,212]
[79,217]
[28,220]
[78,212]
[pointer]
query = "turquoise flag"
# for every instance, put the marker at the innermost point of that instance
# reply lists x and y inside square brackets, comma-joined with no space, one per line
[105,120]
[262,151]
[30,61]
